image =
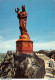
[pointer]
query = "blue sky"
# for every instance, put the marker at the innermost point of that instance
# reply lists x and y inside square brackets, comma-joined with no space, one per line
[40,23]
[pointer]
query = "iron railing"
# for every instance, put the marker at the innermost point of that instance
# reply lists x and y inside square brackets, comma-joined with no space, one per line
[41,71]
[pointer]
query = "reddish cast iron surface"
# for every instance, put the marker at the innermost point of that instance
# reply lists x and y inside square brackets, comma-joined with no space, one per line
[23,44]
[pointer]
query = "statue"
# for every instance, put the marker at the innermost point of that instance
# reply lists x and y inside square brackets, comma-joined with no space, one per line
[23,45]
[22,16]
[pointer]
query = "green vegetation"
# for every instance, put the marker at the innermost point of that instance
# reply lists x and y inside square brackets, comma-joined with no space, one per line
[2,55]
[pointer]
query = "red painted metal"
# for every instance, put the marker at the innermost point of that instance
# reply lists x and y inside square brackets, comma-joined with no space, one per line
[23,44]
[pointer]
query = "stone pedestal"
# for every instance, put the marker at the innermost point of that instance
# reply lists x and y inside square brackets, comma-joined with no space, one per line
[24,46]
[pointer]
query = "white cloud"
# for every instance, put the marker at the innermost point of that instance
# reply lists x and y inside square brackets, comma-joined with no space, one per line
[1,37]
[7,45]
[53,32]
[44,46]
[11,45]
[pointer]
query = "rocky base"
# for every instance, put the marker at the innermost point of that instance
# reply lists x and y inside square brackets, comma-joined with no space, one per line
[18,66]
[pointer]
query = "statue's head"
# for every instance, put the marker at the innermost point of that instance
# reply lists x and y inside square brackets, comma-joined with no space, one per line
[23,8]
[18,9]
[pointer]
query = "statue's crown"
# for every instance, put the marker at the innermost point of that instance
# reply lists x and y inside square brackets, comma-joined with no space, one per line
[23,7]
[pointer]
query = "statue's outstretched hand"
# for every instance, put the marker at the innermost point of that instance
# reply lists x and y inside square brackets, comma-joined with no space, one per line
[15,10]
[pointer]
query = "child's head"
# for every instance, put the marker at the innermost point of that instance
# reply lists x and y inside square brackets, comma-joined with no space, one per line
[52,56]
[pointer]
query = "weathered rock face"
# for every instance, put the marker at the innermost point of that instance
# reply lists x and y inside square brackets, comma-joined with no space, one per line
[18,66]
[52,53]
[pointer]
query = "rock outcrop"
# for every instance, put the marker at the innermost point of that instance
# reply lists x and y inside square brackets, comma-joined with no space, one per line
[18,66]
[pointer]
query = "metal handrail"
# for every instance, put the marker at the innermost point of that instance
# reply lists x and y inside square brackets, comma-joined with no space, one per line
[38,69]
